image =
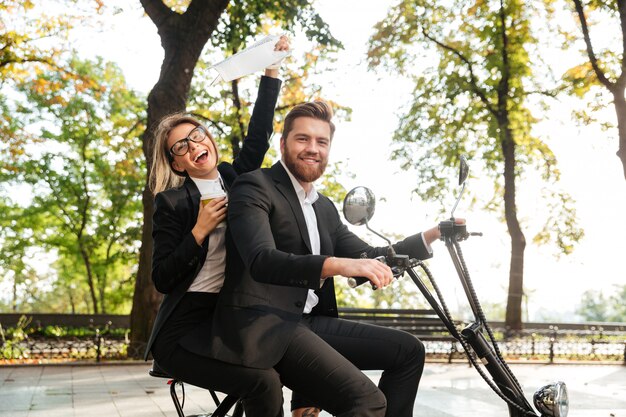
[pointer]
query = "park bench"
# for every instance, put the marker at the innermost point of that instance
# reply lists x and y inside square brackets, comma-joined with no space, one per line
[422,323]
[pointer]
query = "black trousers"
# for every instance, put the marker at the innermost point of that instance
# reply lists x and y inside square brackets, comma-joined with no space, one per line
[323,364]
[259,389]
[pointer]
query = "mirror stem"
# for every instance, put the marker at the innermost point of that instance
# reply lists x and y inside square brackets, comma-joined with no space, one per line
[457,201]
[392,252]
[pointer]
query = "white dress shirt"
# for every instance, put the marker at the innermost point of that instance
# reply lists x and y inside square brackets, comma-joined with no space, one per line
[306,202]
[211,277]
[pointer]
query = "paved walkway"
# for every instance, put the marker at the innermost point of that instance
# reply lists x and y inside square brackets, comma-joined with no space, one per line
[446,391]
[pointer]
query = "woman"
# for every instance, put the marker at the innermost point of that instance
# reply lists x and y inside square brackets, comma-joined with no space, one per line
[189,252]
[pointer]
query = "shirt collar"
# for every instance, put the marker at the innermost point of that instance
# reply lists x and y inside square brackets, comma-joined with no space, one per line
[209,186]
[302,196]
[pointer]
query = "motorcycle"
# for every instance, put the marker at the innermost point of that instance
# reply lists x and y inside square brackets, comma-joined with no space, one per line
[476,338]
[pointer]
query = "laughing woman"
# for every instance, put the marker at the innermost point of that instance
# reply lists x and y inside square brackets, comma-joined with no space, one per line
[189,230]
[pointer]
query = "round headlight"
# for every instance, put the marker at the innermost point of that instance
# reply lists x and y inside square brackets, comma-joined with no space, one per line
[551,400]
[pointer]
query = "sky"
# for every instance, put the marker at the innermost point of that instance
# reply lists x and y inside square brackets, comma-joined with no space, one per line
[591,173]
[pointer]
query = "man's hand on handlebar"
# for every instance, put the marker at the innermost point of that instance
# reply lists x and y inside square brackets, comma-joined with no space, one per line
[434,233]
[376,272]
[453,230]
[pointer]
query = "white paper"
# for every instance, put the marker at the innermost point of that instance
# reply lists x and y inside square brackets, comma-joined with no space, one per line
[256,57]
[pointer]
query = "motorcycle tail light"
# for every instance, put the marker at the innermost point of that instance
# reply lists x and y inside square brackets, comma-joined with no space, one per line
[551,400]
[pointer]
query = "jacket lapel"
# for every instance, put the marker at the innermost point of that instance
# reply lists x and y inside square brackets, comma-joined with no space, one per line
[326,247]
[194,201]
[285,187]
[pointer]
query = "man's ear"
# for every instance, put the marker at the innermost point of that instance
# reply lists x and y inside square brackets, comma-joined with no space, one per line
[282,145]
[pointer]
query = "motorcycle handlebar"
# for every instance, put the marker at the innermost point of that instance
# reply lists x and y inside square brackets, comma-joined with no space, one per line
[354,282]
[397,263]
[449,229]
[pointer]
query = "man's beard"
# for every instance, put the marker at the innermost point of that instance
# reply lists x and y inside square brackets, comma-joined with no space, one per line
[303,172]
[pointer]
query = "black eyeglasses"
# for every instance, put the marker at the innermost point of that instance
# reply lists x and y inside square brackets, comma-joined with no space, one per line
[181,147]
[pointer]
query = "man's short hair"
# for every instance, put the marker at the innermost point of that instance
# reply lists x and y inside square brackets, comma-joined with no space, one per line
[318,109]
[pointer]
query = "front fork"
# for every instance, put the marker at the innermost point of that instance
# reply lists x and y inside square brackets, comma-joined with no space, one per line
[451,234]
[501,375]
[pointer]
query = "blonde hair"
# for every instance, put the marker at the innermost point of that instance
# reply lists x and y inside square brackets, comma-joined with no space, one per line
[162,175]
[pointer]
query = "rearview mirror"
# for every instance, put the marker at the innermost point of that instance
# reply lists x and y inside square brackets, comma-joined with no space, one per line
[463,173]
[359,205]
[463,170]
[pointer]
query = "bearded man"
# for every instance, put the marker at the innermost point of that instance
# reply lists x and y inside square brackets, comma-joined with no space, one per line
[277,308]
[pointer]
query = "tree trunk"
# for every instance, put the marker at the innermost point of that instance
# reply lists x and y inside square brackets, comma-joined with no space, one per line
[620,110]
[14,301]
[183,37]
[90,283]
[102,283]
[145,298]
[513,319]
[70,292]
[236,138]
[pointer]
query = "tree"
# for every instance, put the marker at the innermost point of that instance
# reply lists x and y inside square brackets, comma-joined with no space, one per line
[31,41]
[82,160]
[596,306]
[21,39]
[476,100]
[605,68]
[184,30]
[593,306]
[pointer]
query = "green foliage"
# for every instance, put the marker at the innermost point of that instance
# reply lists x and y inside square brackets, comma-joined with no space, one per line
[329,185]
[494,311]
[599,16]
[401,294]
[477,100]
[561,226]
[596,306]
[10,346]
[595,85]
[79,332]
[245,18]
[77,151]
[21,34]
[481,87]
[593,306]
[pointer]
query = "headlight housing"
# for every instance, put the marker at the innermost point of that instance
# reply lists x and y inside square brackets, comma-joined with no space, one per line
[551,400]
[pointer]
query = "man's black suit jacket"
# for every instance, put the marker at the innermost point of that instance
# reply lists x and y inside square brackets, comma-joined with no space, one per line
[266,287]
[177,258]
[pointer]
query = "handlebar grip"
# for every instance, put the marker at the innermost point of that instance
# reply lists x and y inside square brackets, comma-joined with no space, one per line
[354,282]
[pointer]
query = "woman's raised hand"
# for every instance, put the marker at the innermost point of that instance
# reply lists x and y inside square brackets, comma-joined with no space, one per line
[281,45]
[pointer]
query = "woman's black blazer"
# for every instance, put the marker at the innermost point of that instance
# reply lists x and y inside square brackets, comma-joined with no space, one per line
[176,257]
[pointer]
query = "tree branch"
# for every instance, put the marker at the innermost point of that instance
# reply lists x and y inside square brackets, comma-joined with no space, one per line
[621,80]
[212,122]
[590,53]
[157,11]
[503,85]
[470,67]
[204,11]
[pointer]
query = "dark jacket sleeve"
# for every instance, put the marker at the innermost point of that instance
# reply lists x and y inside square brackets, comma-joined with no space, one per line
[260,128]
[250,216]
[175,253]
[349,245]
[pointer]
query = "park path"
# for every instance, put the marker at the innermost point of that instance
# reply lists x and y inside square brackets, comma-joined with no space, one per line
[445,391]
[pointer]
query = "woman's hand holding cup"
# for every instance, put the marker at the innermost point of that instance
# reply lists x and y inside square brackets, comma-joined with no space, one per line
[211,215]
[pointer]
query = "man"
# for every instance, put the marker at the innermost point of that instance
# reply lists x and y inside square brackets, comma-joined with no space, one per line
[278,309]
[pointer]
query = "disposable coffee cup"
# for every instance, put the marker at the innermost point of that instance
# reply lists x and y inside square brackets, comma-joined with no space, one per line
[206,198]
